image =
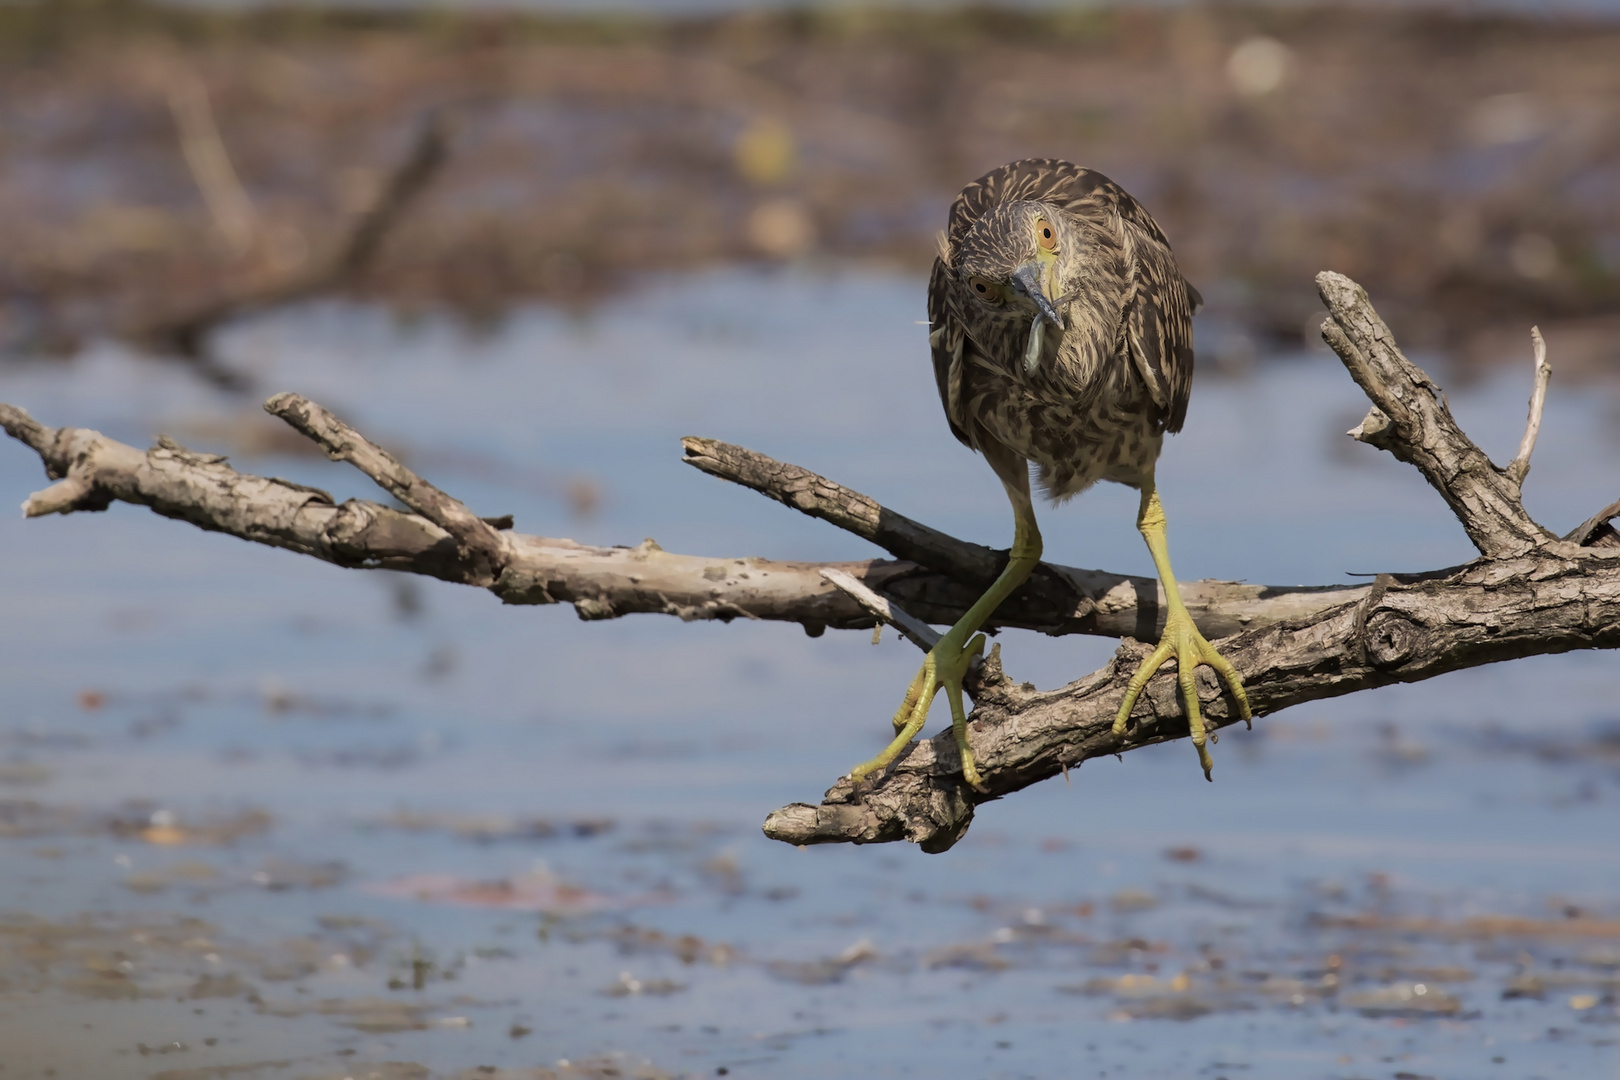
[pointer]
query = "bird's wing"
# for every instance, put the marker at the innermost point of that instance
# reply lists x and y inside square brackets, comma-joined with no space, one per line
[1158,313]
[947,339]
[1158,303]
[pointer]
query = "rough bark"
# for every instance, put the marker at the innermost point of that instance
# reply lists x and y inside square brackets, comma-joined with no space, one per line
[1492,610]
[1530,593]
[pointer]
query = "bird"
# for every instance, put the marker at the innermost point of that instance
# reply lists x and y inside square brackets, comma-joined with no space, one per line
[1060,328]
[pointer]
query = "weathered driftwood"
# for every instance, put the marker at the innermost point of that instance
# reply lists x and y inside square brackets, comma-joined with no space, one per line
[441,538]
[1530,593]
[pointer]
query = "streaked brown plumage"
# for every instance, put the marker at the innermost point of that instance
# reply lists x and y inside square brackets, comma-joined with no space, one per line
[1121,371]
[1120,374]
[1061,332]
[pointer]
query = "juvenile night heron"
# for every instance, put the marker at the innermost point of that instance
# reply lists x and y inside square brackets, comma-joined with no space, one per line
[1061,332]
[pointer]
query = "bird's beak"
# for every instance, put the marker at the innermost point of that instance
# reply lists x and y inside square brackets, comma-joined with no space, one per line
[1027,280]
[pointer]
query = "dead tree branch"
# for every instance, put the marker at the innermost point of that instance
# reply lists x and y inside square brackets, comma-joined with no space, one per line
[1531,593]
[849,510]
[1410,418]
[479,545]
[1057,599]
[438,540]
[1491,611]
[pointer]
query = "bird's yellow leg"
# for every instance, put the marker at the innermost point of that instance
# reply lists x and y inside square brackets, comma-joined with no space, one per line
[1181,638]
[947,662]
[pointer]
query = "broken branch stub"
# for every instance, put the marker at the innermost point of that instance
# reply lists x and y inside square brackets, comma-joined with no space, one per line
[815,495]
[482,544]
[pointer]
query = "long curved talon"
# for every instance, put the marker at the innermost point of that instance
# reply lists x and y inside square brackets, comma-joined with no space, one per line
[943,669]
[1182,641]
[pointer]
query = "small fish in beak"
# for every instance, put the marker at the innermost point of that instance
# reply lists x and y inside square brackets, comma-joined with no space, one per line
[1027,280]
[1037,340]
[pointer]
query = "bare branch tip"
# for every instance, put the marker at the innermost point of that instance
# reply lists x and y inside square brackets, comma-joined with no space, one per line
[1336,290]
[63,497]
[910,627]
[1519,467]
[277,404]
[25,429]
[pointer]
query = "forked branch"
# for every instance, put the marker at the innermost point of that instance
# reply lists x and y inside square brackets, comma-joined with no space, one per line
[1531,593]
[1410,418]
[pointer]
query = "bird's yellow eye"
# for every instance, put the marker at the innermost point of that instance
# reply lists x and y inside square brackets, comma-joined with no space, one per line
[985,289]
[1045,235]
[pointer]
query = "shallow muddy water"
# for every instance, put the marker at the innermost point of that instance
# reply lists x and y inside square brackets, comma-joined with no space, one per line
[263,817]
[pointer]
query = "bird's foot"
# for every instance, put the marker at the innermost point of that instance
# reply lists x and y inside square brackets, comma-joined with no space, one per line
[1182,641]
[944,668]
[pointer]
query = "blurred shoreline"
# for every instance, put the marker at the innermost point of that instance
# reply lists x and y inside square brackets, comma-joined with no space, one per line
[163,160]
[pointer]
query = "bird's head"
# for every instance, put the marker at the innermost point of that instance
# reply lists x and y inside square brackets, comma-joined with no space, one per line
[1010,261]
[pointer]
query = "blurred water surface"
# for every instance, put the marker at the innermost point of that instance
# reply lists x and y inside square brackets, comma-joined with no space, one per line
[327,818]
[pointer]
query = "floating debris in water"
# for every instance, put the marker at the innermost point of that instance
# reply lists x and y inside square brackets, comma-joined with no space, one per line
[627,985]
[537,891]
[1403,999]
[832,969]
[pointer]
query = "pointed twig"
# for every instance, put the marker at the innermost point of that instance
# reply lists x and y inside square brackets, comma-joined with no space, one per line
[1519,467]
[913,629]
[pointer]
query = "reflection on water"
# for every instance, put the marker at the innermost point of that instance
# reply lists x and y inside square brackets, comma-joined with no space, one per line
[255,809]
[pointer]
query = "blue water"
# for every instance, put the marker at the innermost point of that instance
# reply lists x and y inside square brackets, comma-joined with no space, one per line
[237,678]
